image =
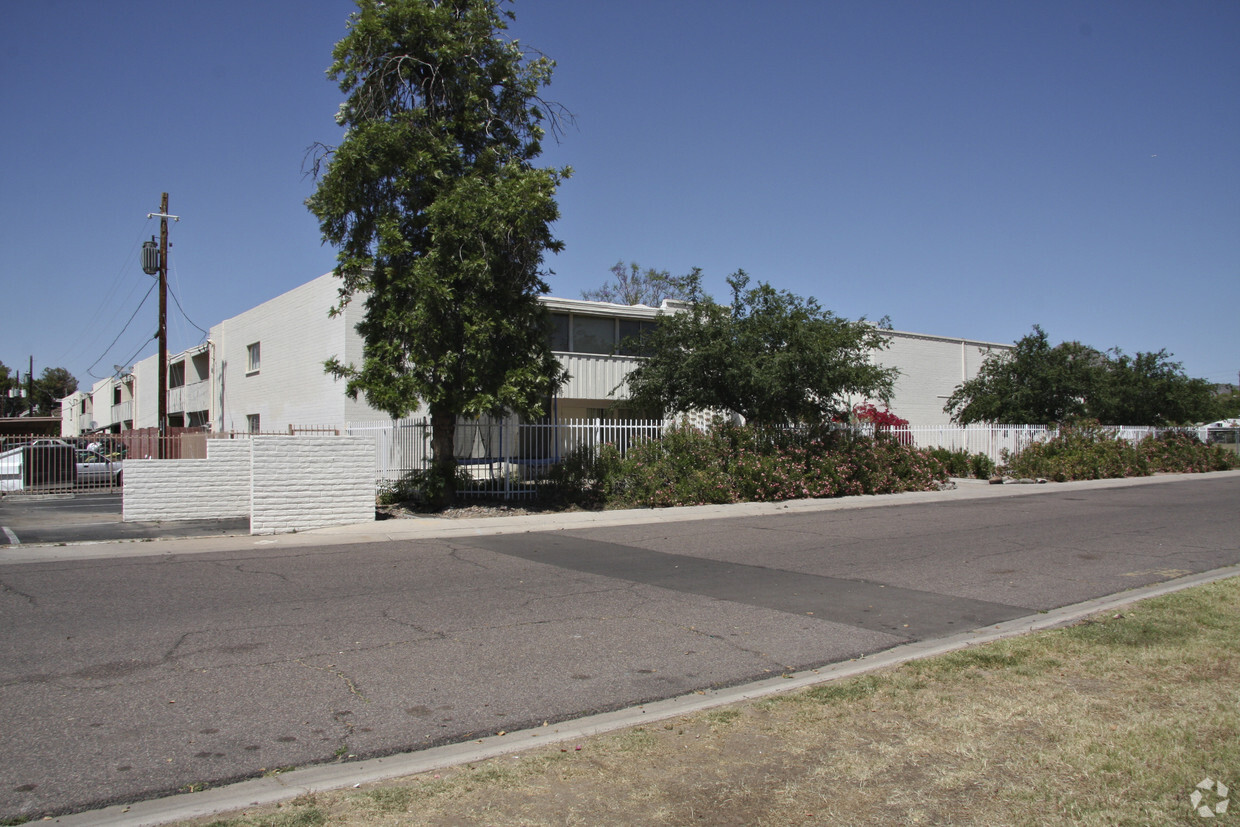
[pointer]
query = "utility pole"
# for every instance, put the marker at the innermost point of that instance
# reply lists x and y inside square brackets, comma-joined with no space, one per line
[163,323]
[162,269]
[30,385]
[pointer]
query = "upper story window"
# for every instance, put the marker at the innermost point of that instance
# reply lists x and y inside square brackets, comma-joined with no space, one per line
[592,334]
[574,333]
[176,374]
[201,368]
[252,354]
[116,395]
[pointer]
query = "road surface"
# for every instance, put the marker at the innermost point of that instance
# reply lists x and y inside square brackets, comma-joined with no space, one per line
[134,676]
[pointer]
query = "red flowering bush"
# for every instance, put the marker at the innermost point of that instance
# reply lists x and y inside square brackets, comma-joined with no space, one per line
[884,421]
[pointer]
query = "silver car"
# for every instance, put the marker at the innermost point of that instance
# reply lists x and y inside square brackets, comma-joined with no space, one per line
[96,470]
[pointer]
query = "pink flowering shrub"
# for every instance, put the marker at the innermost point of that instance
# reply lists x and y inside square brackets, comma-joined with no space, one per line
[1182,452]
[1079,452]
[729,463]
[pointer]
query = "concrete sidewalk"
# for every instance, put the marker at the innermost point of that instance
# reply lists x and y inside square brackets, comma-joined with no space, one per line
[420,528]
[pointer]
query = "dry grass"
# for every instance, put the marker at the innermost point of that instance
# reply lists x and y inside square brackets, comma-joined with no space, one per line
[1110,722]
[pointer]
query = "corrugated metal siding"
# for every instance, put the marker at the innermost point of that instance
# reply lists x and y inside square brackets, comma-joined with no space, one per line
[594,376]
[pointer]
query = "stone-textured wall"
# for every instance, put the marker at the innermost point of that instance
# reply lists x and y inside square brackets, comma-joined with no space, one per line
[282,483]
[302,482]
[217,487]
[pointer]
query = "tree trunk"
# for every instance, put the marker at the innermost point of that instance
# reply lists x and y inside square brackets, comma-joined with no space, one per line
[443,469]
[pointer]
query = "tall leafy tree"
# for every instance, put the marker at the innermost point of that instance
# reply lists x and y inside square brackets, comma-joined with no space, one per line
[1035,383]
[771,356]
[52,385]
[7,382]
[1151,389]
[1039,384]
[440,216]
[630,284]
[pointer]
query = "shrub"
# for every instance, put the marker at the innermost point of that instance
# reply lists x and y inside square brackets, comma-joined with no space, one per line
[956,462]
[1079,452]
[1183,452]
[422,485]
[730,463]
[960,463]
[588,476]
[982,466]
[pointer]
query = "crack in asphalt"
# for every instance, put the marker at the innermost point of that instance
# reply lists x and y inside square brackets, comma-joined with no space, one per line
[5,588]
[331,669]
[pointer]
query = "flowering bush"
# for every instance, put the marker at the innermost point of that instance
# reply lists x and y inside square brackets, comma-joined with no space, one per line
[730,463]
[883,421]
[1079,452]
[1183,452]
[1086,452]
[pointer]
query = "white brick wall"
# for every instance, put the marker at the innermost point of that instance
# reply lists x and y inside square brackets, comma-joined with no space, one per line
[282,483]
[307,482]
[217,487]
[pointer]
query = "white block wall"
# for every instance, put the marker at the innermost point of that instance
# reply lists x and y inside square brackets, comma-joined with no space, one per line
[303,482]
[217,487]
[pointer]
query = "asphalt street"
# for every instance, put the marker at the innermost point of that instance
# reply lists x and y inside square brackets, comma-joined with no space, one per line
[130,675]
[84,517]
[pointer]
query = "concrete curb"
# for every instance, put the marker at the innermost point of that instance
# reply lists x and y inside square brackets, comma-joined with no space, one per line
[285,786]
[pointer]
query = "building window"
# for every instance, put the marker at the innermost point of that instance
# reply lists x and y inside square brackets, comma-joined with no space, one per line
[116,395]
[252,357]
[251,421]
[558,336]
[176,374]
[592,334]
[635,337]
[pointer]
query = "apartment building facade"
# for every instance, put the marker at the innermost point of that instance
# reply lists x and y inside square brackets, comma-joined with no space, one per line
[263,370]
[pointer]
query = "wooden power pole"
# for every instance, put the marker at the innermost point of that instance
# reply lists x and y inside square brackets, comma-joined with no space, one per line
[155,262]
[163,323]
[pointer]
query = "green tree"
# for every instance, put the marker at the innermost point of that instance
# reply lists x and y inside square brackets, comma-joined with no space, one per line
[1032,384]
[630,284]
[770,356]
[1150,389]
[1226,403]
[440,216]
[7,382]
[1037,384]
[52,385]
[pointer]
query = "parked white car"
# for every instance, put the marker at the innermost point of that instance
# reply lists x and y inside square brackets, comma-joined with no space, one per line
[11,470]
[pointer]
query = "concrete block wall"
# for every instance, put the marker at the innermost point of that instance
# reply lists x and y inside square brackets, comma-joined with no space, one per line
[217,487]
[303,482]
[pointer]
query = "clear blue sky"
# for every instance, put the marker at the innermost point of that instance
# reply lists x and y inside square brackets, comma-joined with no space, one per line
[965,168]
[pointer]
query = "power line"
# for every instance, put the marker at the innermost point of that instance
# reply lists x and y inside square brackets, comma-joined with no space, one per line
[132,358]
[177,276]
[90,369]
[94,325]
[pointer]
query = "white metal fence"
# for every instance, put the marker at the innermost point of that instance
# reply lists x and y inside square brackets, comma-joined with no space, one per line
[498,457]
[495,457]
[504,458]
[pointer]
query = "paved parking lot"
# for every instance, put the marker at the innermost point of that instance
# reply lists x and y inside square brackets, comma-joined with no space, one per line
[54,519]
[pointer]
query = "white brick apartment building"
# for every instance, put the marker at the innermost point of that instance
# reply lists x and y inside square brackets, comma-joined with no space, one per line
[263,369]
